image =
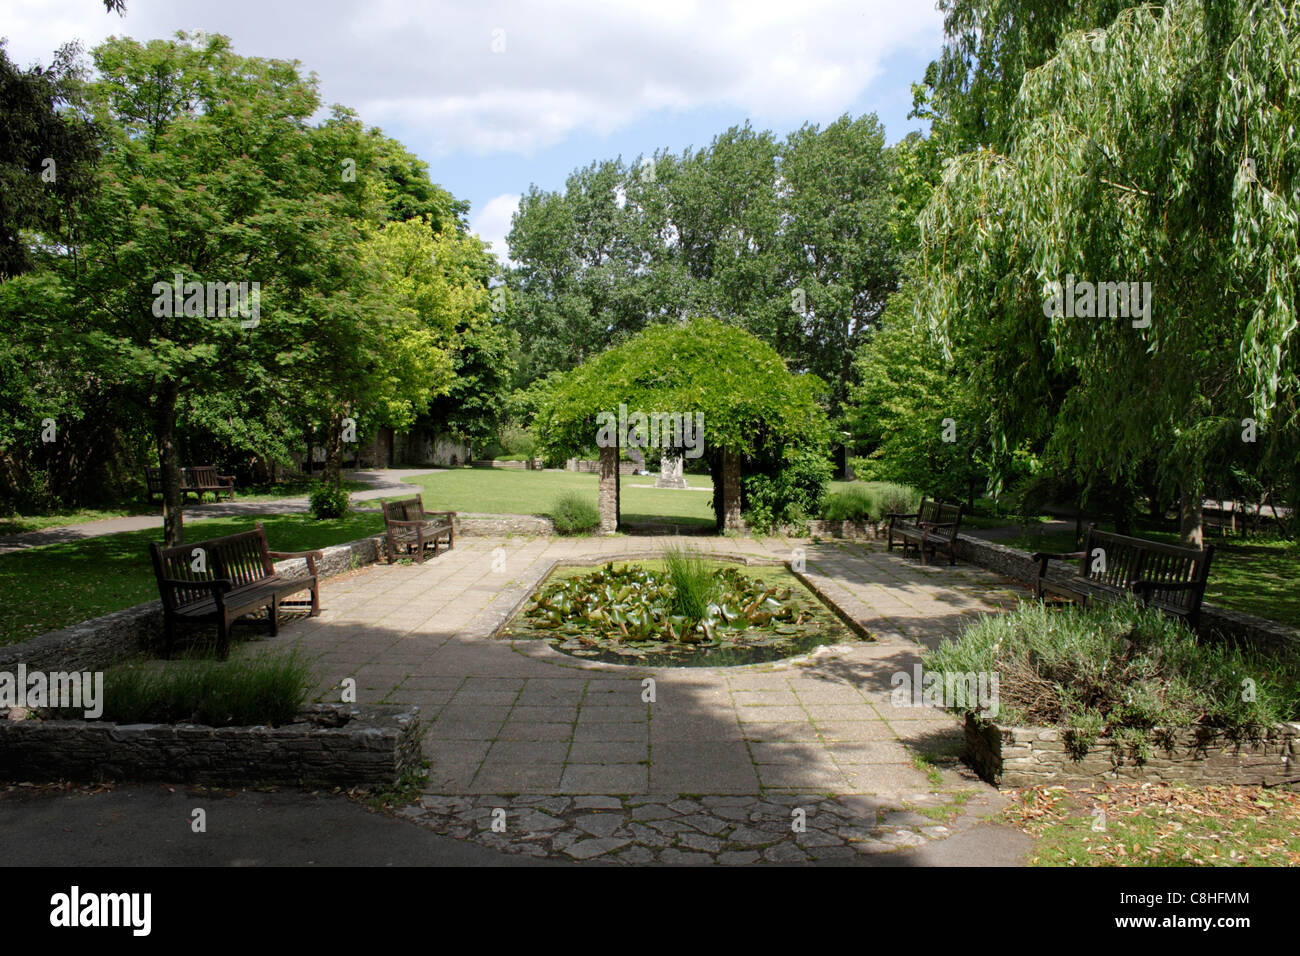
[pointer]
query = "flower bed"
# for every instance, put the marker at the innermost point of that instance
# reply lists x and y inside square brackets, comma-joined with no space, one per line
[1122,692]
[333,745]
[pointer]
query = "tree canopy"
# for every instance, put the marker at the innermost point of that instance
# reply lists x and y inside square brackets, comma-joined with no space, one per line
[1159,150]
[747,396]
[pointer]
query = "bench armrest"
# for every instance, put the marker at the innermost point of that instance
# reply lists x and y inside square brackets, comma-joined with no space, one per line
[311,556]
[1042,557]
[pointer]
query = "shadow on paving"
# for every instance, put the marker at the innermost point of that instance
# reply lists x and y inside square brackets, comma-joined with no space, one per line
[149,825]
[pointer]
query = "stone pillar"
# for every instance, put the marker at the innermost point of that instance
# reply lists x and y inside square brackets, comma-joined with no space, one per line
[731,520]
[609,490]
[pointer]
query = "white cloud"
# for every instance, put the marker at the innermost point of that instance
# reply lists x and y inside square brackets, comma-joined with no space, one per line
[567,66]
[493,223]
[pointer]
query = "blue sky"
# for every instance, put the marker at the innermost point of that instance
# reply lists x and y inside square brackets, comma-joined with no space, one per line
[498,95]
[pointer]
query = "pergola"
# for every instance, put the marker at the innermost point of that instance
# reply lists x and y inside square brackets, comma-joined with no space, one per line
[726,389]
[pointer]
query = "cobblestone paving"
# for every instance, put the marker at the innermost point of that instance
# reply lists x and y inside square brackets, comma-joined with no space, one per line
[727,829]
[572,750]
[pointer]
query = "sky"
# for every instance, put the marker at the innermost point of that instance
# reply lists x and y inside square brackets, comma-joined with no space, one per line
[496,96]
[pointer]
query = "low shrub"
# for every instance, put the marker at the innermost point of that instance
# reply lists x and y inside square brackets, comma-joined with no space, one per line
[515,444]
[574,513]
[1122,671]
[851,504]
[236,693]
[328,501]
[786,491]
[870,501]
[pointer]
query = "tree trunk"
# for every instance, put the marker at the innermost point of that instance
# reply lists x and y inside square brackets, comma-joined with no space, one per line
[608,493]
[1190,525]
[731,520]
[1078,520]
[169,462]
[333,449]
[715,475]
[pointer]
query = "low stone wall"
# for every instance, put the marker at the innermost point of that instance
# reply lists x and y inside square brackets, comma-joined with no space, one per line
[1030,756]
[1215,621]
[500,525]
[853,530]
[332,745]
[625,468]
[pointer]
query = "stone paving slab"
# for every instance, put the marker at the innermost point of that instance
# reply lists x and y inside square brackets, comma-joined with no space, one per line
[520,718]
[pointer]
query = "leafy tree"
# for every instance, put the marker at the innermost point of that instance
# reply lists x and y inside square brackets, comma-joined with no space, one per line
[47,153]
[841,254]
[1158,150]
[915,417]
[989,45]
[209,172]
[480,344]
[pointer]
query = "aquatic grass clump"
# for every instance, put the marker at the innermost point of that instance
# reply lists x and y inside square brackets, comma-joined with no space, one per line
[694,584]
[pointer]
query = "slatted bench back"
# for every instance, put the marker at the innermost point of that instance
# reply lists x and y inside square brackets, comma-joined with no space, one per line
[1128,560]
[408,509]
[241,558]
[204,476]
[936,512]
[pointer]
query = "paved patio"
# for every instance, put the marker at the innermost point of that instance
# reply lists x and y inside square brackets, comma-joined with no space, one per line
[517,724]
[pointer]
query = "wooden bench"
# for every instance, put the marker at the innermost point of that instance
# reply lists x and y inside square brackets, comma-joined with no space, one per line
[409,526]
[1112,566]
[227,578]
[205,478]
[194,481]
[934,526]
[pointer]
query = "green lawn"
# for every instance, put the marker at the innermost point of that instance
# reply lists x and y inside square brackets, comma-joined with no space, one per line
[295,488]
[1255,576]
[56,585]
[512,491]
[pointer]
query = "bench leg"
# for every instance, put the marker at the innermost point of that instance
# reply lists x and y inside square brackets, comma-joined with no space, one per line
[274,611]
[223,637]
[315,600]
